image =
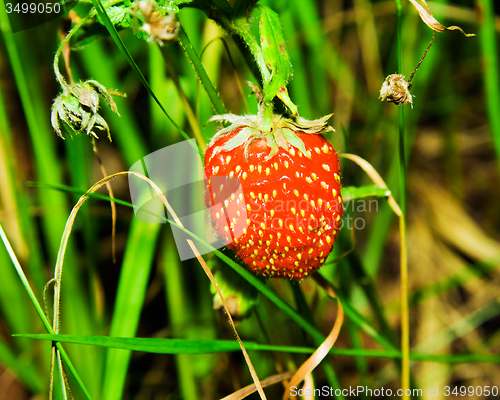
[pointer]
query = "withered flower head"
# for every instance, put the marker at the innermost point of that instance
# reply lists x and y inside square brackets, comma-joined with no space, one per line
[159,23]
[78,107]
[395,89]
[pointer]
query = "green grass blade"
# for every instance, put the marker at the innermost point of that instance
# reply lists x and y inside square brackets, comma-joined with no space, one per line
[353,193]
[200,71]
[456,358]
[137,263]
[167,346]
[188,346]
[24,280]
[180,311]
[13,302]
[39,310]
[488,39]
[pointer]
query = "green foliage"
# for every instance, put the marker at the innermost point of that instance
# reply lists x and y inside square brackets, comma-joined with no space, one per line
[350,193]
[186,346]
[275,55]
[119,16]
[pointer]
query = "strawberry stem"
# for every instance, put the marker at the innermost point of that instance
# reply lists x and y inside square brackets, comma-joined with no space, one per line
[241,28]
[60,78]
[267,116]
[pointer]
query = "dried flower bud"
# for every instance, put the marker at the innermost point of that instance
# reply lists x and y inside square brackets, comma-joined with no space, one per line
[78,105]
[159,23]
[395,89]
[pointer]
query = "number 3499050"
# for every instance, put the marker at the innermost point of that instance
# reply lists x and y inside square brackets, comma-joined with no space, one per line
[471,391]
[33,8]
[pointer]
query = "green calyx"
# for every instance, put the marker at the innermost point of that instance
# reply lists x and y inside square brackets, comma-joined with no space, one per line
[281,134]
[78,108]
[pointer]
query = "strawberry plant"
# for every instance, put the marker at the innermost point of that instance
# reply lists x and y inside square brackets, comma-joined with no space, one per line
[291,188]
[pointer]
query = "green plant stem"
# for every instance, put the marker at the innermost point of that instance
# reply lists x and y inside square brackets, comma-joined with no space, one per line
[267,116]
[405,315]
[233,66]
[39,310]
[24,280]
[57,72]
[194,346]
[240,28]
[399,38]
[405,319]
[193,57]
[491,71]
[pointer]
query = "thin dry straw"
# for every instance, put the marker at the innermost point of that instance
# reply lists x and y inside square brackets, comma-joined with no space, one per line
[62,250]
[403,263]
[374,176]
[113,205]
[39,310]
[322,351]
[248,390]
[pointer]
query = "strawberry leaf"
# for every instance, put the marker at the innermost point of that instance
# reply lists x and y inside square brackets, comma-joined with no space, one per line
[119,15]
[276,57]
[171,6]
[285,98]
[350,193]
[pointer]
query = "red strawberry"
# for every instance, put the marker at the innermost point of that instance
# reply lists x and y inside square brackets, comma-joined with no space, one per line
[290,188]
